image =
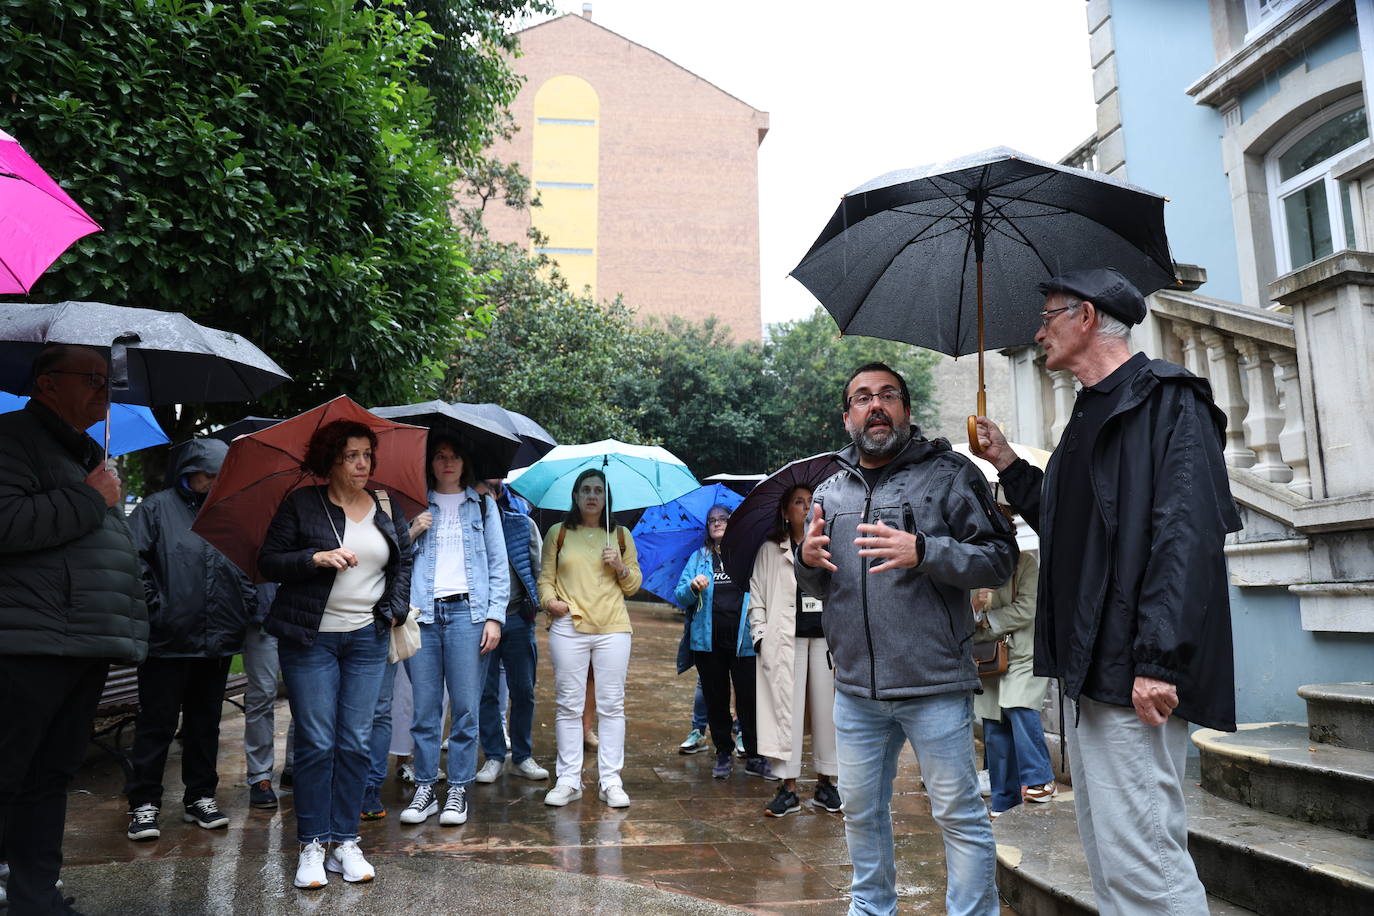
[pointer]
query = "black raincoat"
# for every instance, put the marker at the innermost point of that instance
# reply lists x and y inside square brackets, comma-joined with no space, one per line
[199,603]
[1152,600]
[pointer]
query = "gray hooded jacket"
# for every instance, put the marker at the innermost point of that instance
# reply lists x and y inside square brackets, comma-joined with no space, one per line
[905,633]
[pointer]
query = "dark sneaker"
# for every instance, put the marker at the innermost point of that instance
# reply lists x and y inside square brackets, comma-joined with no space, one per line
[757,766]
[203,812]
[373,809]
[455,807]
[783,803]
[724,764]
[827,797]
[260,795]
[287,780]
[143,823]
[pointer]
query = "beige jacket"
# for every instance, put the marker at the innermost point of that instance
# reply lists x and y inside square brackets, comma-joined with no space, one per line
[1012,613]
[773,619]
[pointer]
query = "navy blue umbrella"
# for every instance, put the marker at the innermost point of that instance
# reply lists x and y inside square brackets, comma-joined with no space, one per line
[666,535]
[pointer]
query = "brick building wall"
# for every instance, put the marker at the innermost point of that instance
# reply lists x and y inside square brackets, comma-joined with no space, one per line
[674,191]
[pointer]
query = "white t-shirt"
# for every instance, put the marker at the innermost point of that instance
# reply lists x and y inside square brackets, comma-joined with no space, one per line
[357,589]
[450,567]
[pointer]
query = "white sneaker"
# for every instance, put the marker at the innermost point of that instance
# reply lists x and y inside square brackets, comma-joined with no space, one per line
[530,770]
[984,783]
[347,859]
[489,771]
[614,797]
[310,867]
[406,773]
[422,805]
[455,807]
[560,795]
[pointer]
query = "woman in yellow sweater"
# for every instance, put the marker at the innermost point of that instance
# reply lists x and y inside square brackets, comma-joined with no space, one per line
[589,567]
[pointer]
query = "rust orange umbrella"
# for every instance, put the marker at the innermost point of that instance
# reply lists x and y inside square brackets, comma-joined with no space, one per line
[263,468]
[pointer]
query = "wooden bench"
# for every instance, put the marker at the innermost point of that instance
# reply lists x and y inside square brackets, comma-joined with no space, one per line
[119,703]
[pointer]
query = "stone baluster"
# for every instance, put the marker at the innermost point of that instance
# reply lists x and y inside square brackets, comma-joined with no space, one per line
[1293,439]
[1063,403]
[1194,353]
[1224,375]
[1263,422]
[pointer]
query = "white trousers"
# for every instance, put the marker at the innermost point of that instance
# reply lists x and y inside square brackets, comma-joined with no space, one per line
[1128,800]
[813,696]
[608,654]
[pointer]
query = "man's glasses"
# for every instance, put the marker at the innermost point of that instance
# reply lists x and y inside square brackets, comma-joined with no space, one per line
[890,397]
[1048,315]
[94,380]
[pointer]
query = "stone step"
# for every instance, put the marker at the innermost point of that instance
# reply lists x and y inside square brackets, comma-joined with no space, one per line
[1041,870]
[1275,865]
[1276,767]
[1341,714]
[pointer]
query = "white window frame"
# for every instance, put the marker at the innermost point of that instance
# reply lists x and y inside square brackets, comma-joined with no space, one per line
[1258,20]
[1279,189]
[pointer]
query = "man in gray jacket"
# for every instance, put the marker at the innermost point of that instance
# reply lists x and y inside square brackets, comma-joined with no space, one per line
[896,540]
[70,603]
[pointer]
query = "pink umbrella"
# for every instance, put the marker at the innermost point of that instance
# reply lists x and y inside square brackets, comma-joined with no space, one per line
[38,221]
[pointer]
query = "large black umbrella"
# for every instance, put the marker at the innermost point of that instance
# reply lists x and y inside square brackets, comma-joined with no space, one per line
[902,257]
[754,518]
[535,440]
[156,358]
[243,427]
[487,443]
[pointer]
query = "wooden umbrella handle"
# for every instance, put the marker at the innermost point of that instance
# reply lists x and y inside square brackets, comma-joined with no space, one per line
[973,445]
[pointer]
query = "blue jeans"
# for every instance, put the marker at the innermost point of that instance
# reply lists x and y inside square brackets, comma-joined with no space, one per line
[869,735]
[333,686]
[381,729]
[699,721]
[450,653]
[1016,755]
[518,651]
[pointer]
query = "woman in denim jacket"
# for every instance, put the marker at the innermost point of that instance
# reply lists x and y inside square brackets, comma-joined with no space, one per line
[718,635]
[460,586]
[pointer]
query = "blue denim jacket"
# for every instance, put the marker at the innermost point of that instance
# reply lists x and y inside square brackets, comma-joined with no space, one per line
[484,549]
[698,606]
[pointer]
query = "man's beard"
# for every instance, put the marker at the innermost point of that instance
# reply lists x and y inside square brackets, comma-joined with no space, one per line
[874,447]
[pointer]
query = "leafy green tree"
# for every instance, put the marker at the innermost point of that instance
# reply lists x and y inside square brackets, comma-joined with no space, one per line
[273,169]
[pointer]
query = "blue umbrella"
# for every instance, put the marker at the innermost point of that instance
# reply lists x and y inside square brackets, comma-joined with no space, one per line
[667,535]
[132,425]
[638,475]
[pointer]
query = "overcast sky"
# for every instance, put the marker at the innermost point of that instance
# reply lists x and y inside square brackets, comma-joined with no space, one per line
[858,88]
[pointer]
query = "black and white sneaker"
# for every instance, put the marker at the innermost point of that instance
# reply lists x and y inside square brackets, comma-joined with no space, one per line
[455,807]
[827,797]
[783,803]
[143,823]
[423,804]
[203,812]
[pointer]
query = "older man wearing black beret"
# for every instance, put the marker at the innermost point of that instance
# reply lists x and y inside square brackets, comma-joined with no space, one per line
[1133,613]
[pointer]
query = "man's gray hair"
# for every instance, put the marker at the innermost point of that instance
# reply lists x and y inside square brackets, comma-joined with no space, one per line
[1107,325]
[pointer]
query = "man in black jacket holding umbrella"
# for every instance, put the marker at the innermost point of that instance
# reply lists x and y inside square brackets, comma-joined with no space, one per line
[1133,614]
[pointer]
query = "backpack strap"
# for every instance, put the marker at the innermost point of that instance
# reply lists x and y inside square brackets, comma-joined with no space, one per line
[383,501]
[563,533]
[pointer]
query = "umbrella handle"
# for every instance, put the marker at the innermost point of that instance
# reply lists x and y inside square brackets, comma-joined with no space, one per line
[973,445]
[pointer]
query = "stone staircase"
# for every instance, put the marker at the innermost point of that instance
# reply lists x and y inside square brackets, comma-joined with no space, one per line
[1281,824]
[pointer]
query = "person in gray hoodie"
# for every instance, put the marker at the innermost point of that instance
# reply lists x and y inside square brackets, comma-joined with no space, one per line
[199,604]
[895,541]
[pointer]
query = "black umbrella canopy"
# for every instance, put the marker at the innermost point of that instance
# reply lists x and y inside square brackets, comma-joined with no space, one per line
[535,440]
[754,518]
[898,258]
[488,444]
[243,427]
[156,358]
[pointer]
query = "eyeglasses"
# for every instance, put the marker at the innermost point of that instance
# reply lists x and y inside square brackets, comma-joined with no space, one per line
[718,520]
[94,380]
[890,397]
[1048,314]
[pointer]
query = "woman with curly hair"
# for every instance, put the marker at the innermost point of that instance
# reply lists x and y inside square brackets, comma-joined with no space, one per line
[342,555]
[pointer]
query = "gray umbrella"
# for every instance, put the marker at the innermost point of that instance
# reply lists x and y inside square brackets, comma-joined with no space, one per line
[489,444]
[535,441]
[902,257]
[156,358]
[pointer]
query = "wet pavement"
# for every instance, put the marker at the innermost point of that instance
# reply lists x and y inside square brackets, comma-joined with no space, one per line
[688,844]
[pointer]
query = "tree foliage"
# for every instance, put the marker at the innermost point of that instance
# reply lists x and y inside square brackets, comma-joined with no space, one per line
[274,169]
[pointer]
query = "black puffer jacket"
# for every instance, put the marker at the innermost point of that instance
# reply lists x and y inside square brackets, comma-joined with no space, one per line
[1152,600]
[69,581]
[198,601]
[299,530]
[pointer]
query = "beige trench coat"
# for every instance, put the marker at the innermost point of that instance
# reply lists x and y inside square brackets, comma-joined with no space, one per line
[1012,612]
[773,619]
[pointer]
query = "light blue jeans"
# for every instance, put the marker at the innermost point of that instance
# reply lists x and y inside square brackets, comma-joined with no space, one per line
[450,654]
[870,735]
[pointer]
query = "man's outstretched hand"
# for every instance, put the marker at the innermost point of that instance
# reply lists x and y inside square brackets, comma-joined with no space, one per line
[813,551]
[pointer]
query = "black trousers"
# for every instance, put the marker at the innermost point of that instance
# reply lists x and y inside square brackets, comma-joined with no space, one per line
[47,705]
[193,688]
[718,669]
